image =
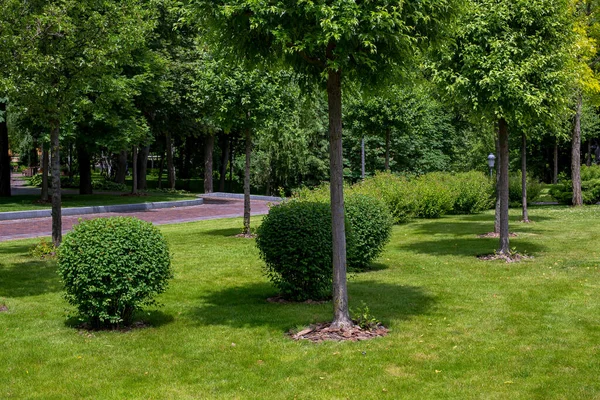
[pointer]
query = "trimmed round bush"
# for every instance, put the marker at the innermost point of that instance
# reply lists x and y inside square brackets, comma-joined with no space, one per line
[111,267]
[295,242]
[370,227]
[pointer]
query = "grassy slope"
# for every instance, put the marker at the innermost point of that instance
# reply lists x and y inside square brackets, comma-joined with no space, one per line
[29,202]
[460,328]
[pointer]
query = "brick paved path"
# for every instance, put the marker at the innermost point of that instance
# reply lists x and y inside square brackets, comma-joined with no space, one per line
[211,209]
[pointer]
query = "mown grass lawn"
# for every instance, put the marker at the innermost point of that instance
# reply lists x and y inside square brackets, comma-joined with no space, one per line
[460,328]
[30,202]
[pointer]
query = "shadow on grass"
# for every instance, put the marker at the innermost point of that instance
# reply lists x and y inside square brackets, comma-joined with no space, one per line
[371,268]
[490,218]
[30,278]
[247,305]
[142,319]
[469,228]
[228,232]
[468,246]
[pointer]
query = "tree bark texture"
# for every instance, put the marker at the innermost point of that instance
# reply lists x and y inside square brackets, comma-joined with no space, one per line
[56,194]
[246,230]
[555,172]
[524,178]
[341,315]
[134,171]
[503,186]
[224,161]
[45,168]
[576,155]
[387,149]
[142,170]
[5,168]
[170,162]
[497,207]
[209,147]
[85,169]
[121,168]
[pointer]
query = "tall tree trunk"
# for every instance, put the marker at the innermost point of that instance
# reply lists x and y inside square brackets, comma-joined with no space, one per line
[121,174]
[5,169]
[555,166]
[142,170]
[170,163]
[161,166]
[576,155]
[85,169]
[56,195]
[341,314]
[134,171]
[45,168]
[497,208]
[232,147]
[387,149]
[224,161]
[362,158]
[246,230]
[588,157]
[524,177]
[503,169]
[209,147]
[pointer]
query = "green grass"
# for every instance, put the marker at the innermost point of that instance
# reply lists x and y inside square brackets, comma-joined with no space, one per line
[30,202]
[460,328]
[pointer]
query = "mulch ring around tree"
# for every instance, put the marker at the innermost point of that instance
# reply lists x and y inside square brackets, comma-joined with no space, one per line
[3,308]
[494,235]
[324,332]
[509,258]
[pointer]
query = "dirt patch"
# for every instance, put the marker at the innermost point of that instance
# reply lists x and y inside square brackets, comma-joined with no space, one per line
[495,235]
[281,300]
[324,332]
[509,258]
[3,308]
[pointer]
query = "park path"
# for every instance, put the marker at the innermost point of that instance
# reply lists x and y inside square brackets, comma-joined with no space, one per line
[213,208]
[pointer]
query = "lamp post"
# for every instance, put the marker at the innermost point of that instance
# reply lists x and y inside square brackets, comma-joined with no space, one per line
[491,161]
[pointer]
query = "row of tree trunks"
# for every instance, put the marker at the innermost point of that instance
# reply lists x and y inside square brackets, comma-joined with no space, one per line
[85,169]
[209,144]
[5,190]
[142,168]
[224,143]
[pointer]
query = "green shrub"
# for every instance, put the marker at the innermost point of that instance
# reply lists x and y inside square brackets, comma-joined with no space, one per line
[433,195]
[43,250]
[104,184]
[562,192]
[515,191]
[473,192]
[590,191]
[590,173]
[111,267]
[395,191]
[370,227]
[295,242]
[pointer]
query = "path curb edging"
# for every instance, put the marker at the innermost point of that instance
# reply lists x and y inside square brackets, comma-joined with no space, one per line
[10,215]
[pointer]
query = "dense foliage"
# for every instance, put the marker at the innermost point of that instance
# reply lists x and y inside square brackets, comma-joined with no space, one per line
[111,267]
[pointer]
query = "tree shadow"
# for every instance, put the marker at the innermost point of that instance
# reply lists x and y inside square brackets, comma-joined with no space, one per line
[370,268]
[30,278]
[142,319]
[247,306]
[512,219]
[227,232]
[470,228]
[468,246]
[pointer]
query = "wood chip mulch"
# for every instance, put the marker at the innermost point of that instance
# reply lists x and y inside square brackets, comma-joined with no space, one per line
[245,236]
[494,235]
[3,308]
[323,332]
[509,258]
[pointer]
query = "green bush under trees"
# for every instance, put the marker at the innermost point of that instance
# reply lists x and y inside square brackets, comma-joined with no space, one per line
[590,187]
[515,190]
[111,267]
[295,242]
